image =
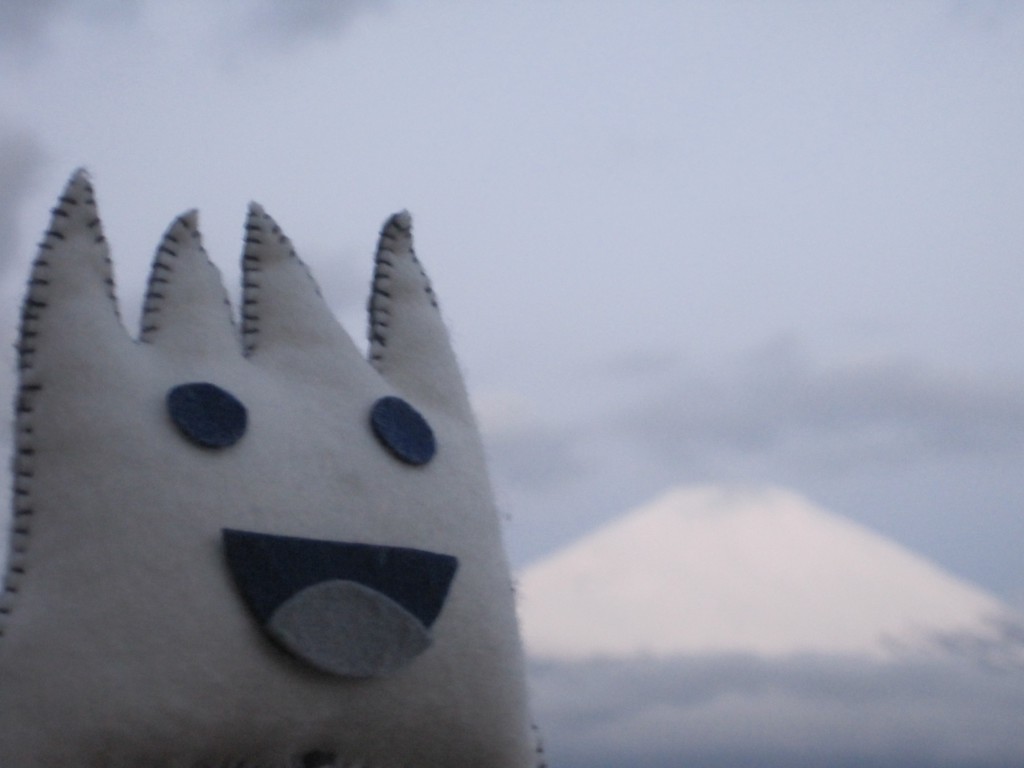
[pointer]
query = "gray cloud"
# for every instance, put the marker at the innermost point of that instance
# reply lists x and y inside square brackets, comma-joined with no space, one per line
[707,712]
[20,159]
[24,25]
[776,410]
[291,22]
[537,459]
[877,411]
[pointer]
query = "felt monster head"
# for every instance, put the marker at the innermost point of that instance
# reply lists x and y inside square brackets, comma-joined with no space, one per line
[248,549]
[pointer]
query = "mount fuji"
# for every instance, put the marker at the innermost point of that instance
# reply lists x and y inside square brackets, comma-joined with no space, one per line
[754,571]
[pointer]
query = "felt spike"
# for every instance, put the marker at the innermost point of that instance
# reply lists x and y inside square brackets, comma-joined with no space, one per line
[283,314]
[69,320]
[409,343]
[70,296]
[186,307]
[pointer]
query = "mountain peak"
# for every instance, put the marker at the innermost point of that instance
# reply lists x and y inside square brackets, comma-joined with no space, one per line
[764,571]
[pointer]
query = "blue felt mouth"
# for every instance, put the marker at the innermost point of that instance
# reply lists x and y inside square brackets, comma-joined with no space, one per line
[355,610]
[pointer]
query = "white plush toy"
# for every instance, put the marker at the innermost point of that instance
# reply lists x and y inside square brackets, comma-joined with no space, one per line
[248,549]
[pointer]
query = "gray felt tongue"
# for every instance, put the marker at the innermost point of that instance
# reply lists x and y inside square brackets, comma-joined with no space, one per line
[345,628]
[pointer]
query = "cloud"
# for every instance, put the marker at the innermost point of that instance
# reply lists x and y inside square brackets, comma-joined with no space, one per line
[21,24]
[20,159]
[291,22]
[530,454]
[706,712]
[861,411]
[25,26]
[773,415]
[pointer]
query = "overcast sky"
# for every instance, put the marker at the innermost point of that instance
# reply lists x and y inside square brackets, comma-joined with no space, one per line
[716,242]
[676,242]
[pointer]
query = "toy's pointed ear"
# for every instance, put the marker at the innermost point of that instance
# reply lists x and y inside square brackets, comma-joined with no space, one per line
[285,321]
[70,317]
[409,344]
[186,308]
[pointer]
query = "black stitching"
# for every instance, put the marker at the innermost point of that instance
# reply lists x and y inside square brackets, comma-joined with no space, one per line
[31,313]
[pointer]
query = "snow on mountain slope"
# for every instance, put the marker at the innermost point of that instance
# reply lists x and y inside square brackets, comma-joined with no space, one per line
[763,571]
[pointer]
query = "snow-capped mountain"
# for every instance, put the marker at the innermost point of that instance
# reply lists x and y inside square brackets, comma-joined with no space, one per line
[763,571]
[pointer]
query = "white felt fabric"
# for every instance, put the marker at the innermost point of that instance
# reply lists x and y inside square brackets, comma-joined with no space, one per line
[124,643]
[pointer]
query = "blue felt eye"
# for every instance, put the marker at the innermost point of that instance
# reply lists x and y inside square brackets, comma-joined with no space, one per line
[403,431]
[206,414]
